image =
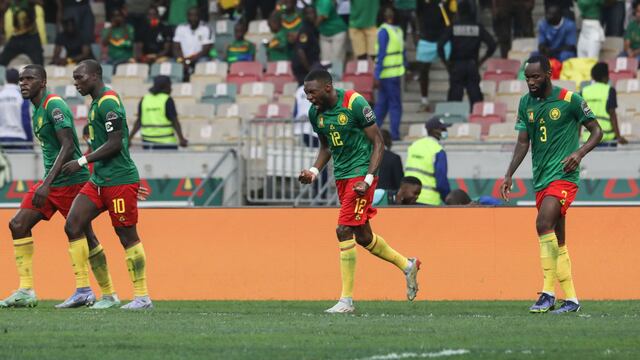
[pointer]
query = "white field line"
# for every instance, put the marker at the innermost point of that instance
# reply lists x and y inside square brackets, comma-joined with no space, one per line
[411,355]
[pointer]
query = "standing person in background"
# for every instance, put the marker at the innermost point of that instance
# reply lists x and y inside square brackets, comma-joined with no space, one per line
[158,118]
[362,27]
[24,32]
[406,12]
[632,35]
[388,72]
[427,161]
[512,18]
[306,49]
[80,11]
[391,172]
[591,33]
[333,33]
[602,100]
[613,15]
[15,120]
[250,9]
[549,118]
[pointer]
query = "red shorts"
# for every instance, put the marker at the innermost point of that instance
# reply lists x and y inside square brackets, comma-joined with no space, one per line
[120,200]
[355,209]
[564,191]
[60,199]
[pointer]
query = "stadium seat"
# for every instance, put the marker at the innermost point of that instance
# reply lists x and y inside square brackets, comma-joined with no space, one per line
[244,71]
[227,129]
[611,48]
[465,132]
[173,70]
[360,73]
[290,88]
[416,131]
[132,91]
[70,94]
[521,48]
[197,112]
[186,91]
[630,130]
[209,72]
[274,111]
[107,73]
[80,113]
[57,76]
[503,132]
[512,87]
[220,93]
[485,108]
[614,77]
[485,121]
[256,93]
[279,73]
[234,110]
[131,110]
[453,112]
[258,32]
[489,89]
[347,85]
[497,66]
[498,77]
[128,74]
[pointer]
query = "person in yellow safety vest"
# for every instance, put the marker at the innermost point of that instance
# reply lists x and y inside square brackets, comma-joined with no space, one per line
[158,118]
[427,161]
[601,98]
[389,68]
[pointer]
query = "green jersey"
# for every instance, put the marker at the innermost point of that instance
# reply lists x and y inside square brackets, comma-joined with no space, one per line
[241,50]
[107,115]
[51,115]
[120,43]
[343,127]
[333,23]
[278,47]
[553,126]
[632,33]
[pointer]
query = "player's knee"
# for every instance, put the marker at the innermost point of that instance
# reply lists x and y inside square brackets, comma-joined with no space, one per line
[364,239]
[18,228]
[73,230]
[344,232]
[544,225]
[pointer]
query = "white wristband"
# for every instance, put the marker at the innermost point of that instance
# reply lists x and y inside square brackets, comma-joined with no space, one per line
[314,170]
[82,161]
[369,179]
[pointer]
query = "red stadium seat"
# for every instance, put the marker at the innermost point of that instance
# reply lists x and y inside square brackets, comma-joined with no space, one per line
[623,64]
[489,108]
[360,73]
[244,71]
[498,77]
[615,76]
[485,121]
[495,65]
[279,73]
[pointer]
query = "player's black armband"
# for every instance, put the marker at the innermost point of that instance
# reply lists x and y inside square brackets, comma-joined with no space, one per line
[112,122]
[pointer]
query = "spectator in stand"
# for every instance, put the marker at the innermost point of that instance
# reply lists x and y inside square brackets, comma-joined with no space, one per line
[333,33]
[362,27]
[556,35]
[75,45]
[158,118]
[15,120]
[240,49]
[465,35]
[250,9]
[406,12]
[407,194]
[613,15]
[118,39]
[291,19]
[24,31]
[80,11]
[192,42]
[388,72]
[602,100]
[591,33]
[435,17]
[306,49]
[153,42]
[390,173]
[632,35]
[278,47]
[512,15]
[137,13]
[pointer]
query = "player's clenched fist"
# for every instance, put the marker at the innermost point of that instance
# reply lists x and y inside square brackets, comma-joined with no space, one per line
[505,188]
[307,176]
[360,188]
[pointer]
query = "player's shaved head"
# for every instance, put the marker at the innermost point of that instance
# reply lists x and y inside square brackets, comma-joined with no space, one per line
[37,70]
[319,75]
[91,67]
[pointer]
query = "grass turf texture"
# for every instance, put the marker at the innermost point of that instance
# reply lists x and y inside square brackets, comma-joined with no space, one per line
[299,330]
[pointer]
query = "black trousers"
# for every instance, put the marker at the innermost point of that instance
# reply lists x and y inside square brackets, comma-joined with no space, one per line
[250,10]
[28,44]
[464,75]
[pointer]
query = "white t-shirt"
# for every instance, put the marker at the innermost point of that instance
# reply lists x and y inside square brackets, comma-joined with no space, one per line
[11,112]
[192,41]
[301,114]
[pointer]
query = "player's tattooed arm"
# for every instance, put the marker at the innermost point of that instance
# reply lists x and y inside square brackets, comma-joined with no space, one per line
[520,151]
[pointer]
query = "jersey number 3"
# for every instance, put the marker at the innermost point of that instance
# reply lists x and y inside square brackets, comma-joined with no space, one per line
[543,129]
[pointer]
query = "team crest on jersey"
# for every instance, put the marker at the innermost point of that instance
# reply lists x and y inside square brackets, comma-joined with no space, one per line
[554,114]
[531,117]
[342,119]
[320,121]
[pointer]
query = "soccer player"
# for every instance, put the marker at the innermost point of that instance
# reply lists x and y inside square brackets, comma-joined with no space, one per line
[114,183]
[53,126]
[346,127]
[549,118]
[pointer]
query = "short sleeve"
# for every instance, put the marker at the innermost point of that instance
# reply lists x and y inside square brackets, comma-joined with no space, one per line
[59,114]
[581,109]
[177,36]
[312,119]
[521,121]
[362,112]
[208,39]
[170,109]
[323,7]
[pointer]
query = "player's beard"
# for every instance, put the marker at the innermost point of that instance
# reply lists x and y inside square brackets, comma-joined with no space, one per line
[542,89]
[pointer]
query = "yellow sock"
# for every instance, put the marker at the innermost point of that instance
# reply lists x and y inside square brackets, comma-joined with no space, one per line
[136,263]
[379,248]
[79,251]
[563,273]
[347,266]
[23,249]
[100,270]
[549,260]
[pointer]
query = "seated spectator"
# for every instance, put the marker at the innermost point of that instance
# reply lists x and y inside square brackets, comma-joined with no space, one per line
[192,42]
[75,45]
[291,19]
[278,47]
[158,118]
[24,32]
[390,173]
[407,194]
[632,35]
[240,49]
[153,42]
[15,120]
[118,39]
[460,198]
[556,35]
[306,49]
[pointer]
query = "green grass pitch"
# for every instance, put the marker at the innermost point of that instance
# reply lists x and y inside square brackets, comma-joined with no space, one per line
[381,330]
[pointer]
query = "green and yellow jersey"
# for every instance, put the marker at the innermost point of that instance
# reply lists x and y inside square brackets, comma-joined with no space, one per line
[107,115]
[50,116]
[343,127]
[553,126]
